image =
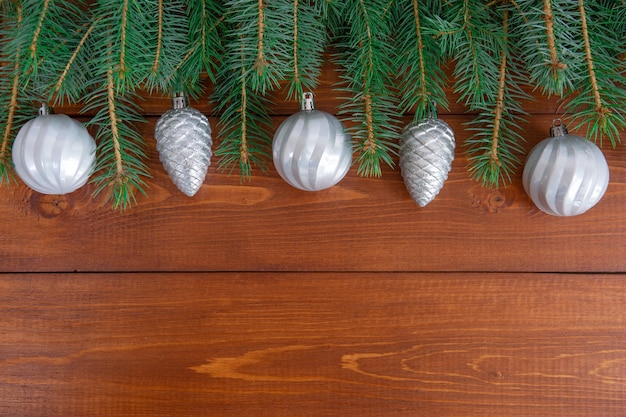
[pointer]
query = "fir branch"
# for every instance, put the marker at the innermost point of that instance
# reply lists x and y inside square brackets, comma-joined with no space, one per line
[495,143]
[33,46]
[8,128]
[243,115]
[8,111]
[363,42]
[255,61]
[468,34]
[550,52]
[597,106]
[119,167]
[494,159]
[127,32]
[555,63]
[492,168]
[418,58]
[61,88]
[204,48]
[159,45]
[263,28]
[169,41]
[261,64]
[115,137]
[308,43]
[296,68]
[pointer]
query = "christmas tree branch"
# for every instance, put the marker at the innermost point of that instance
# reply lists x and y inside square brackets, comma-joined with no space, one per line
[12,106]
[494,159]
[119,166]
[246,75]
[493,147]
[555,63]
[296,69]
[550,52]
[597,106]
[33,45]
[243,117]
[169,44]
[121,69]
[420,51]
[418,58]
[203,52]
[363,40]
[59,85]
[9,110]
[159,41]
[308,41]
[261,64]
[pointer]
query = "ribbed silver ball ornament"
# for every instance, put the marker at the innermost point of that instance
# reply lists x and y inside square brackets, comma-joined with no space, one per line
[426,155]
[565,175]
[53,153]
[311,149]
[183,140]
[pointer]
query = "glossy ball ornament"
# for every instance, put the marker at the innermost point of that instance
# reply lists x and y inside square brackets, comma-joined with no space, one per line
[565,175]
[311,149]
[53,154]
[183,140]
[426,155]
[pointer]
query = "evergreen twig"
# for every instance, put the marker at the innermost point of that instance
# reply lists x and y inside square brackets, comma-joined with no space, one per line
[418,58]
[548,48]
[9,81]
[598,105]
[308,42]
[243,120]
[363,41]
[255,61]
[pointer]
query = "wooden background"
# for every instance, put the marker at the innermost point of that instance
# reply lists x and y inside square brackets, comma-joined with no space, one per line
[257,299]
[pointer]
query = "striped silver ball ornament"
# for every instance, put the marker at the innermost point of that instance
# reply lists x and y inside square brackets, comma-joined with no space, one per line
[311,149]
[426,155]
[53,153]
[565,175]
[183,140]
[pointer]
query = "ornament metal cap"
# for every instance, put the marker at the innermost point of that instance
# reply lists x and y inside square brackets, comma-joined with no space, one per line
[179,101]
[558,128]
[308,103]
[44,110]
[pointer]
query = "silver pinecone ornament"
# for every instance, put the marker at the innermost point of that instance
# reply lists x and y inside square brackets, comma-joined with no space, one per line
[183,139]
[426,155]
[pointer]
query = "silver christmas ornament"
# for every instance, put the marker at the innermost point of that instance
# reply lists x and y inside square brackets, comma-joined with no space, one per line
[311,149]
[183,140]
[426,155]
[565,175]
[53,154]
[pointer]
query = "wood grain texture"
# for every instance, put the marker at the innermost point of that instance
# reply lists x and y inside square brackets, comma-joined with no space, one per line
[257,299]
[359,225]
[292,344]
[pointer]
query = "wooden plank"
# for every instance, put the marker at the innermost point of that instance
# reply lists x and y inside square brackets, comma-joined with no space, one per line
[360,225]
[286,344]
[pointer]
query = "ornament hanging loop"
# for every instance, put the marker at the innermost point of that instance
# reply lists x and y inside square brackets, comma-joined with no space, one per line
[308,103]
[558,128]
